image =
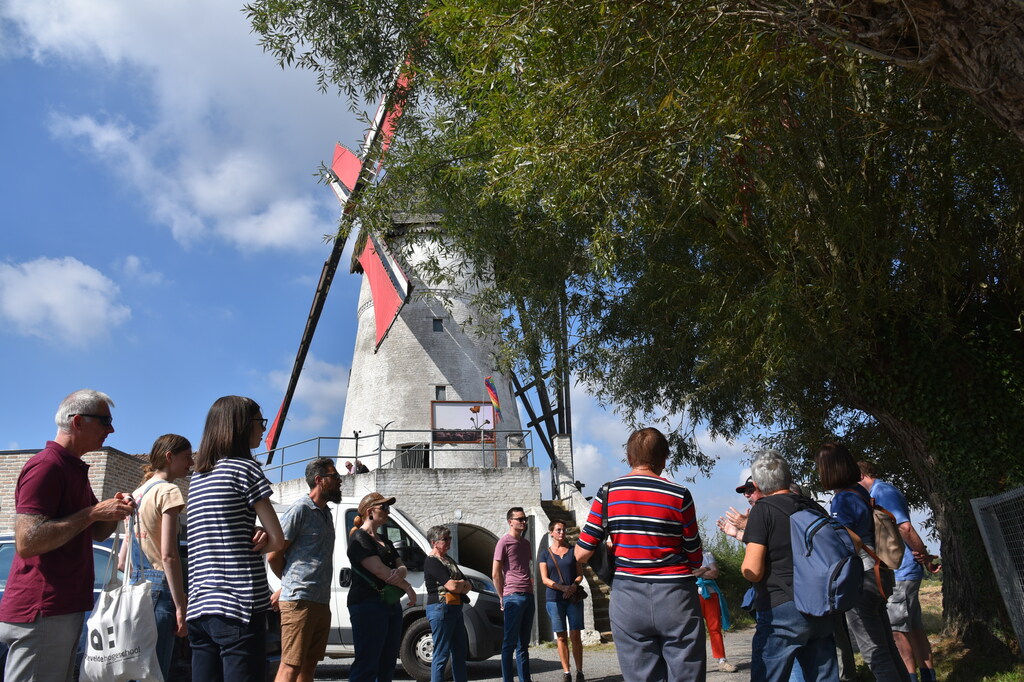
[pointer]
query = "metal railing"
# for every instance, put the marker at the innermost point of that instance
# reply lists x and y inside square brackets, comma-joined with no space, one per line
[405,449]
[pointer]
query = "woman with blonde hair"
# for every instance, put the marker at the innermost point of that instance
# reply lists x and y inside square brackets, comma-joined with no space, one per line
[374,605]
[159,502]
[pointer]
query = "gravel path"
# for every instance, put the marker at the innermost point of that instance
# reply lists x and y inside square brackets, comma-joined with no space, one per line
[599,664]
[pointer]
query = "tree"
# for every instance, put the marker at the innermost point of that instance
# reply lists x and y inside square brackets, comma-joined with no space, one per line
[976,46]
[739,227]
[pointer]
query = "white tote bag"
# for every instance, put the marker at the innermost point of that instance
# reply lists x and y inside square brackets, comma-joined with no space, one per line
[121,632]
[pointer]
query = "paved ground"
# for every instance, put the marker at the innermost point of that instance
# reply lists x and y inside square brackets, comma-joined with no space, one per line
[599,664]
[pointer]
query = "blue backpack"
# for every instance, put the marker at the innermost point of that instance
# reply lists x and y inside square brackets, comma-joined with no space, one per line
[828,575]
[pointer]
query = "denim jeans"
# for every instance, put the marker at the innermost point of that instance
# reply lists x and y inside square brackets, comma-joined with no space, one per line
[450,641]
[785,639]
[228,650]
[519,609]
[166,619]
[561,612]
[376,635]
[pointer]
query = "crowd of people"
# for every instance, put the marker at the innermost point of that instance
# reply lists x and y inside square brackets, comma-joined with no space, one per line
[664,597]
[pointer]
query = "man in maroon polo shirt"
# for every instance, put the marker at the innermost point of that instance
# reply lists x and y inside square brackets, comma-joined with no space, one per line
[57,518]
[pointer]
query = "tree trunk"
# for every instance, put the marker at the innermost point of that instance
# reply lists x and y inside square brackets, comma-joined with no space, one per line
[970,603]
[974,45]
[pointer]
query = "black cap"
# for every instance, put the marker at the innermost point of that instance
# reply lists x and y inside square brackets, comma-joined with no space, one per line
[747,487]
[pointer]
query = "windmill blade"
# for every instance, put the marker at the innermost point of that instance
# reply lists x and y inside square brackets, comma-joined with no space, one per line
[349,175]
[319,298]
[390,287]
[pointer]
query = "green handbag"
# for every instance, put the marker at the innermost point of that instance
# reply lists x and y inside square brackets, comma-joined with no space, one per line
[389,594]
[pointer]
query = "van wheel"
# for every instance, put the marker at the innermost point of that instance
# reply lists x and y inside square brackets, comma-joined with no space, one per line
[417,651]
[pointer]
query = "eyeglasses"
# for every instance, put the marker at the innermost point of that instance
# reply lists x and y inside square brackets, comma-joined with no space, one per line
[384,507]
[262,420]
[104,419]
[558,530]
[521,519]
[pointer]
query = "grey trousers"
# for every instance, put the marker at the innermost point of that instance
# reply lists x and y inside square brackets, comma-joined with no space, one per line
[869,627]
[658,630]
[42,650]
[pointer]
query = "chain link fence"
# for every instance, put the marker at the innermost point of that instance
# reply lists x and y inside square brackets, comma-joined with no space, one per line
[1001,520]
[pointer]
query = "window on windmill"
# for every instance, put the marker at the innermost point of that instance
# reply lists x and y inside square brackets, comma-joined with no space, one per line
[438,325]
[439,393]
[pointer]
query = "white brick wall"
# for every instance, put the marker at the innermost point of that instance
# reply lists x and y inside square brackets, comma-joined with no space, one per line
[431,497]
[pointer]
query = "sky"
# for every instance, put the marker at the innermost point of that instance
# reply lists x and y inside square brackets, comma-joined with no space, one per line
[163,232]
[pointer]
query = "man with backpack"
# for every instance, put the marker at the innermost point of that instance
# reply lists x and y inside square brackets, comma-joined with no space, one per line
[904,606]
[795,629]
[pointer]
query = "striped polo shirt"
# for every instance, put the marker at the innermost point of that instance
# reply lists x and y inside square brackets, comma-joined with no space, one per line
[226,577]
[653,525]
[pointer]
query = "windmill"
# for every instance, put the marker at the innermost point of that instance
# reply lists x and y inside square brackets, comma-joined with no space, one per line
[415,362]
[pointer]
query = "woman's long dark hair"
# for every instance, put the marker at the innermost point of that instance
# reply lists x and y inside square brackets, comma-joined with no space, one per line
[227,432]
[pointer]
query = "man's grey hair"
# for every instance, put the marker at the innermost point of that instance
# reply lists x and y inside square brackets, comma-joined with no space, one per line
[318,467]
[770,472]
[438,533]
[85,401]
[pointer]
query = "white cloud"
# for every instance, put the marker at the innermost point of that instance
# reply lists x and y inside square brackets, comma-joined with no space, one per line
[140,270]
[319,396]
[60,300]
[284,224]
[229,141]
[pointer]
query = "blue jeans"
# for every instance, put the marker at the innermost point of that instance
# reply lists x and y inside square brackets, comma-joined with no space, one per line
[562,611]
[166,619]
[228,649]
[376,635]
[519,609]
[785,639]
[450,641]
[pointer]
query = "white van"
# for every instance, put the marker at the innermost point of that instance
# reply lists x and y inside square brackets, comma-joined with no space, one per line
[482,614]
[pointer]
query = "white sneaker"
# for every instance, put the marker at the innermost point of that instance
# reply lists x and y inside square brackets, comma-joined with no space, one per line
[725,666]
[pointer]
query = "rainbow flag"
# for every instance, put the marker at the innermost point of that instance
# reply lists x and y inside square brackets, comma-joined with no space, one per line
[489,385]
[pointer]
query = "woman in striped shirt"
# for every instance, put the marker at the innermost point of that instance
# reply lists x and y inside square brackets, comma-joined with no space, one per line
[655,611]
[228,595]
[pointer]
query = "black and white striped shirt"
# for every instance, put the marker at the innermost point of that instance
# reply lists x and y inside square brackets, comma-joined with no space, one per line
[226,577]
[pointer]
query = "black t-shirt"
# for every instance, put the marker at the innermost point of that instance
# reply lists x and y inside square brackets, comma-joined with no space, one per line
[362,546]
[768,525]
[435,575]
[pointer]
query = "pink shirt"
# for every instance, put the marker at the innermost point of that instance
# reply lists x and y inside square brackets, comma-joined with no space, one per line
[53,483]
[515,556]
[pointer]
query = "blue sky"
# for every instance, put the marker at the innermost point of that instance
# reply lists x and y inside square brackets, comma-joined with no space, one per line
[163,230]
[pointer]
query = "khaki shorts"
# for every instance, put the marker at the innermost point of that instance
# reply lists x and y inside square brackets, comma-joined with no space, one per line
[304,629]
[904,606]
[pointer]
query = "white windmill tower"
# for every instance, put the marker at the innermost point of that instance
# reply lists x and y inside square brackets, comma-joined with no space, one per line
[424,389]
[419,391]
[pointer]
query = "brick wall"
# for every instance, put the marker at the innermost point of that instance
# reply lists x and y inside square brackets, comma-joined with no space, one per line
[110,471]
[430,497]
